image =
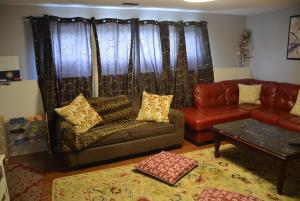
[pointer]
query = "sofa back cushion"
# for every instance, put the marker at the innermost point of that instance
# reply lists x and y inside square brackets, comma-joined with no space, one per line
[113,108]
[136,101]
[286,96]
[232,90]
[209,95]
[268,92]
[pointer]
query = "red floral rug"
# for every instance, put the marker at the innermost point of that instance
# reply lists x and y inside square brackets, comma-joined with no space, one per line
[25,180]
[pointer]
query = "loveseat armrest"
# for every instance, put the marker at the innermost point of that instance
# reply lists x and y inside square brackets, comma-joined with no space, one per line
[176,118]
[65,136]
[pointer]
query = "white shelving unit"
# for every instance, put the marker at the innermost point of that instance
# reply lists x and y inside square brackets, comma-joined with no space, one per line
[4,196]
[25,137]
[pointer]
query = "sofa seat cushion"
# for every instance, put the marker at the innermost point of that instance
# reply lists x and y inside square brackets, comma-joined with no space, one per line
[269,115]
[291,123]
[97,136]
[249,107]
[113,138]
[205,118]
[150,129]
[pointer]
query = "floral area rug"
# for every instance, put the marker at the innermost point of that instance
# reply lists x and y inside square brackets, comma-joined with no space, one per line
[25,180]
[237,175]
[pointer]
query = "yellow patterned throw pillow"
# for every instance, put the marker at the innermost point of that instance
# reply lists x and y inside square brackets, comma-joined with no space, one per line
[79,113]
[155,108]
[296,109]
[249,94]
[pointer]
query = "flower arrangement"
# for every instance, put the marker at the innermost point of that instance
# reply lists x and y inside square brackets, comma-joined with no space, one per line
[243,47]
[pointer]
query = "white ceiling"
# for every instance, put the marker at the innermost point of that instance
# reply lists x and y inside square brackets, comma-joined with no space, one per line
[237,7]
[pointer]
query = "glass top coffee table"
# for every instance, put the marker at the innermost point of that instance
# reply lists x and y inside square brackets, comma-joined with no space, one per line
[280,143]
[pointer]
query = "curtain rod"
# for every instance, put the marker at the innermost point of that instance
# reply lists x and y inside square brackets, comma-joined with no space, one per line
[94,19]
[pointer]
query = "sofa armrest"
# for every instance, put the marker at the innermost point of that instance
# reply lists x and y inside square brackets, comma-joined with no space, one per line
[65,136]
[176,118]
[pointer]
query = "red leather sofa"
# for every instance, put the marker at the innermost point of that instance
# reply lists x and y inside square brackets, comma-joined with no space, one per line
[218,103]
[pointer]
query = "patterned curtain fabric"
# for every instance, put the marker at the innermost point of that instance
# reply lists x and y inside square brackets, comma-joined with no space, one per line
[150,71]
[71,45]
[180,75]
[198,51]
[45,71]
[114,41]
[132,56]
[168,68]
[158,57]
[63,62]
[198,57]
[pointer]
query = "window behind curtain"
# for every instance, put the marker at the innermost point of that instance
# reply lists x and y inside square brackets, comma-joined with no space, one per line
[71,48]
[150,48]
[194,47]
[114,45]
[174,39]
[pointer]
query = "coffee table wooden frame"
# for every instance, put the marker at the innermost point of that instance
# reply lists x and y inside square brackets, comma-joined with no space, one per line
[220,135]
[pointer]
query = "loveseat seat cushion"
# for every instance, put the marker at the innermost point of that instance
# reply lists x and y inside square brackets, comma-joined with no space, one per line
[209,95]
[201,119]
[150,129]
[249,107]
[292,123]
[269,115]
[286,96]
[268,92]
[101,135]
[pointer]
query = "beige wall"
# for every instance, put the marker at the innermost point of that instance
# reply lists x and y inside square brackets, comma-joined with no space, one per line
[16,36]
[20,99]
[269,47]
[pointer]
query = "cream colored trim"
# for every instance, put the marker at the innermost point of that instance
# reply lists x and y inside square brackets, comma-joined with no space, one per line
[221,74]
[95,83]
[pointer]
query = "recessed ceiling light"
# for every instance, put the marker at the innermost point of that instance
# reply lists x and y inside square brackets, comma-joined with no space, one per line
[199,1]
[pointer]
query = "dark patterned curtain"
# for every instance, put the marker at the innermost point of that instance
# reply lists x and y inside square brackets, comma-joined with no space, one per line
[150,71]
[114,41]
[180,75]
[71,45]
[63,63]
[45,71]
[199,64]
[167,74]
[159,57]
[132,56]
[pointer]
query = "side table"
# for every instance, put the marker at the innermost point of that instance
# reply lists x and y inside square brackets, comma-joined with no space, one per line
[4,196]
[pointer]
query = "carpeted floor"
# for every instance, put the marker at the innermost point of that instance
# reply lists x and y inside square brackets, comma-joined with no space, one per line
[25,180]
[237,175]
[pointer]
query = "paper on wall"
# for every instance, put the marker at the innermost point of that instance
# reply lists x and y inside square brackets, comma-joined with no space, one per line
[9,63]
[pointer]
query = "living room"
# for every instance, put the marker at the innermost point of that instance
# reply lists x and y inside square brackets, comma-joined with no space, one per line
[197,55]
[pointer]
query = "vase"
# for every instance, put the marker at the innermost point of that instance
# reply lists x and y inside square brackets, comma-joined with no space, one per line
[240,60]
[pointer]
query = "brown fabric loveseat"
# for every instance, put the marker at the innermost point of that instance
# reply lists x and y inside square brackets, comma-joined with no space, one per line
[120,139]
[218,103]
